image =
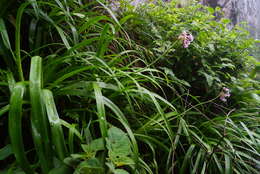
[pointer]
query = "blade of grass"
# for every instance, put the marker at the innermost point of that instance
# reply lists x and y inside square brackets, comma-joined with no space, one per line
[71,139]
[18,58]
[103,41]
[197,162]
[73,71]
[4,34]
[92,21]
[5,46]
[71,129]
[4,109]
[186,160]
[218,163]
[228,169]
[100,110]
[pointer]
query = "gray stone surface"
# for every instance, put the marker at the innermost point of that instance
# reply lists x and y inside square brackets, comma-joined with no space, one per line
[239,11]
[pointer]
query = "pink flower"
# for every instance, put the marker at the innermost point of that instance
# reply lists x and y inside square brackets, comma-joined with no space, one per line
[189,37]
[224,94]
[114,5]
[186,39]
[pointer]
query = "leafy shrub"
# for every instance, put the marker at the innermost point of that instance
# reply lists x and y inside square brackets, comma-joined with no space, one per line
[216,57]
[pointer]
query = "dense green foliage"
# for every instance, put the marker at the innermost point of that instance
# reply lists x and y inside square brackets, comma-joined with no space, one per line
[84,89]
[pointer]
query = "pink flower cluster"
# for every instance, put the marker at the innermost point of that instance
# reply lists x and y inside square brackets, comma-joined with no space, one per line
[224,94]
[186,39]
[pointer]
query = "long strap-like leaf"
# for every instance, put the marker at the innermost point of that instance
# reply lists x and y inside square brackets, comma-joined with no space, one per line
[56,129]
[39,120]
[15,127]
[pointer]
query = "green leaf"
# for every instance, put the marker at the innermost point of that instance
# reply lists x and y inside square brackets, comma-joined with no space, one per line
[228,168]
[18,58]
[120,171]
[72,162]
[5,152]
[121,160]
[100,109]
[4,110]
[95,145]
[15,127]
[119,147]
[103,41]
[118,142]
[187,159]
[4,34]
[39,120]
[92,21]
[55,123]
[91,166]
[209,78]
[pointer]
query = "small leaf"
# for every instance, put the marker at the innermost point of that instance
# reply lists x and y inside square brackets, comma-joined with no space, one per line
[72,162]
[121,160]
[93,147]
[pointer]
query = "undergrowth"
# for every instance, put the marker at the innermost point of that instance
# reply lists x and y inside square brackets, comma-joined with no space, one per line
[146,89]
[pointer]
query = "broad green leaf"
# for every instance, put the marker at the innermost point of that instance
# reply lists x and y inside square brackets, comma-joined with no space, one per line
[117,142]
[91,166]
[119,147]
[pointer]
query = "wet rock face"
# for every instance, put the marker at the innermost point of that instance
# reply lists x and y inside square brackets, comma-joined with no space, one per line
[240,10]
[236,10]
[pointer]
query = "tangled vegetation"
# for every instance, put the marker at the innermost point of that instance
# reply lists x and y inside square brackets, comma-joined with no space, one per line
[88,88]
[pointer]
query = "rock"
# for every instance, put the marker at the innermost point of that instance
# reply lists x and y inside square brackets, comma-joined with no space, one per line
[240,10]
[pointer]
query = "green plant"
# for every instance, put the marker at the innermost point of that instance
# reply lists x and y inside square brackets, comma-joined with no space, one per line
[82,92]
[216,56]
